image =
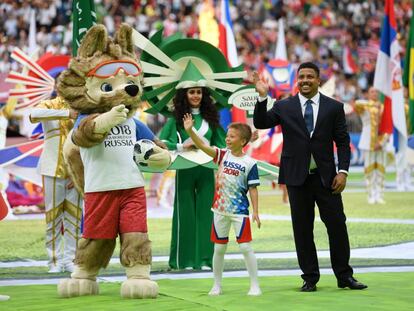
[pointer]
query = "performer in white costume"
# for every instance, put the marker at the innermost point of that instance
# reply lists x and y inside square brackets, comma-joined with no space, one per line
[373,145]
[63,202]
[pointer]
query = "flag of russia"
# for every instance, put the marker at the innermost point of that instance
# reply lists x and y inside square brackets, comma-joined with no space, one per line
[227,45]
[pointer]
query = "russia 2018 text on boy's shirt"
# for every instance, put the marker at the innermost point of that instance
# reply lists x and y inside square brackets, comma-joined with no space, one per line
[234,177]
[110,165]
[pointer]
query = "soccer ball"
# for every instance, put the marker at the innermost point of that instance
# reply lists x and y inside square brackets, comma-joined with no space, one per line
[143,149]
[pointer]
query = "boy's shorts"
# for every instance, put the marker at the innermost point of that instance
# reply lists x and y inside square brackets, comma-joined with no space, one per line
[108,213]
[221,228]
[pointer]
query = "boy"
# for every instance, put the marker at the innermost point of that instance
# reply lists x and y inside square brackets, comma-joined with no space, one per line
[236,175]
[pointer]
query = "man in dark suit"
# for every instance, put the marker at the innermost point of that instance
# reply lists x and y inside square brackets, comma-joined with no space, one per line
[311,123]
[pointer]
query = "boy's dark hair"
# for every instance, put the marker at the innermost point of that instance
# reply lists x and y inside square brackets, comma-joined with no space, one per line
[244,130]
[309,65]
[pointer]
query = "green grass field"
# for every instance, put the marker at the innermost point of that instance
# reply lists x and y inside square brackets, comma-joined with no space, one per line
[24,239]
[400,205]
[387,291]
[27,241]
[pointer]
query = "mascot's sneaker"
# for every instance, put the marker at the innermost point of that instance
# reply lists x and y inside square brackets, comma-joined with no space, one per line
[139,288]
[138,284]
[77,287]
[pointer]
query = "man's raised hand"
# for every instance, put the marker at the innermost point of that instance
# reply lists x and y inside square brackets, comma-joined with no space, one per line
[261,87]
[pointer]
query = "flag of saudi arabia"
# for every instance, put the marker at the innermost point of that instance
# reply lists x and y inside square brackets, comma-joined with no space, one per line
[408,78]
[84,17]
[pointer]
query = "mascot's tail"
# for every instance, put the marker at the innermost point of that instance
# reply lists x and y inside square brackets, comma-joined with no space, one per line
[71,154]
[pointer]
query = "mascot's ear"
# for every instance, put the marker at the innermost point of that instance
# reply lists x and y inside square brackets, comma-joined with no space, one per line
[124,38]
[94,40]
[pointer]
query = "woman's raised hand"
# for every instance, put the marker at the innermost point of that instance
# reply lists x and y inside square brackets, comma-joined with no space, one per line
[188,121]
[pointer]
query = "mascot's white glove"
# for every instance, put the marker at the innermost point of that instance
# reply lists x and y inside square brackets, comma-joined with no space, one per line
[160,159]
[107,120]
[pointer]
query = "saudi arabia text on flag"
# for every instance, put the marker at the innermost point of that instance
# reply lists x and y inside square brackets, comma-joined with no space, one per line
[84,17]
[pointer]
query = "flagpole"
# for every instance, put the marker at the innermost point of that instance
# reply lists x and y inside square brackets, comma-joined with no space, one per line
[33,49]
[281,51]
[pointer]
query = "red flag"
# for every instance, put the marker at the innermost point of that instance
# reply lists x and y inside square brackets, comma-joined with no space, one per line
[3,207]
[348,62]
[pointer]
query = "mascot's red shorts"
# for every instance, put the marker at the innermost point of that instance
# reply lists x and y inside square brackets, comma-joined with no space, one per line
[108,213]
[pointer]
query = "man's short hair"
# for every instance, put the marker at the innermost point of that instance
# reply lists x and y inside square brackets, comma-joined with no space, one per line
[244,130]
[309,65]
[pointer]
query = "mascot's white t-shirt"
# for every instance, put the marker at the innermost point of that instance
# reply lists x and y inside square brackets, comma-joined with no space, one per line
[110,165]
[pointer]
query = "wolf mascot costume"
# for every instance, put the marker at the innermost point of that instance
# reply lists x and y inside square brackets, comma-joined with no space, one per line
[104,83]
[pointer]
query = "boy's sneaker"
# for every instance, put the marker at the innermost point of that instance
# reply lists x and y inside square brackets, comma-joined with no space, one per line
[215,291]
[254,291]
[380,201]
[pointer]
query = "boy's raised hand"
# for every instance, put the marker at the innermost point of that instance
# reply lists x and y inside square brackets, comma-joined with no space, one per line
[256,219]
[188,121]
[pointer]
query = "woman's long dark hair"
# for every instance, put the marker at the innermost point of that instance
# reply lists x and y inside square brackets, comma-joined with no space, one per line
[208,109]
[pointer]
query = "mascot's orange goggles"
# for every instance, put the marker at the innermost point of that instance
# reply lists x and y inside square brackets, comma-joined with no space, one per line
[112,67]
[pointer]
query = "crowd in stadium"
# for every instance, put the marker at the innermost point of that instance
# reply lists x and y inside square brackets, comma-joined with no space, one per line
[315,30]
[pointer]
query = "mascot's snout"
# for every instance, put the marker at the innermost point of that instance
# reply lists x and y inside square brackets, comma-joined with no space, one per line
[132,90]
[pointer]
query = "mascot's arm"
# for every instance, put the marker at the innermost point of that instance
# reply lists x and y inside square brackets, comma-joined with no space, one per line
[93,129]
[218,138]
[107,120]
[84,135]
[160,159]
[168,134]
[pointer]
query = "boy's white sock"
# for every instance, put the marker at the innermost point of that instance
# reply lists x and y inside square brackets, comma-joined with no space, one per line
[218,265]
[251,265]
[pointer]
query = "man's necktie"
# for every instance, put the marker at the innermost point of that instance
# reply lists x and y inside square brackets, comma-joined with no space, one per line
[309,116]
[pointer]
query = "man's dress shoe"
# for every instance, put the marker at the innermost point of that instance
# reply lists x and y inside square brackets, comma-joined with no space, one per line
[308,287]
[351,283]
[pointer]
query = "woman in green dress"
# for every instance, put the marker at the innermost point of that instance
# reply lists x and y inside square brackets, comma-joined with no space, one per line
[190,240]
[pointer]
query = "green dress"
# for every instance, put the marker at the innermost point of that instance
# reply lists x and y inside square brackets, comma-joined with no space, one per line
[194,193]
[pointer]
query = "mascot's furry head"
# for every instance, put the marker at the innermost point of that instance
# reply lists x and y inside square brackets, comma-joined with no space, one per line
[105,74]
